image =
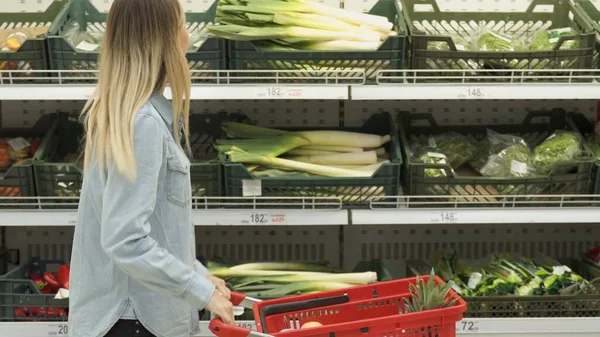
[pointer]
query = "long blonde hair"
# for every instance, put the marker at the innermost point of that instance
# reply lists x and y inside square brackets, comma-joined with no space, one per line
[140,55]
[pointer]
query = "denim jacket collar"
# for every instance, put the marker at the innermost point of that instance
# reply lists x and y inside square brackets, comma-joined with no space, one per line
[165,109]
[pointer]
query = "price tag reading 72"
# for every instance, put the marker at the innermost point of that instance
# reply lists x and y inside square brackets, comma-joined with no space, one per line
[467,326]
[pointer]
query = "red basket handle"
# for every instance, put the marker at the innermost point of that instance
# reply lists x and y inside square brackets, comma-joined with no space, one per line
[241,300]
[220,329]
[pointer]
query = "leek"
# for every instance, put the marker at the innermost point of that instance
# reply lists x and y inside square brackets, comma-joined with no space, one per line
[358,158]
[293,266]
[298,288]
[333,148]
[240,156]
[349,278]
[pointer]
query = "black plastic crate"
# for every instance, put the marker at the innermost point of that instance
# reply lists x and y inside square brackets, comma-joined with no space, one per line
[354,192]
[572,177]
[392,54]
[21,300]
[18,179]
[582,305]
[210,55]
[32,55]
[59,168]
[441,27]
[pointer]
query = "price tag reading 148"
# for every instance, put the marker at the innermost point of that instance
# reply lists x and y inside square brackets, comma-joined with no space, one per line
[444,217]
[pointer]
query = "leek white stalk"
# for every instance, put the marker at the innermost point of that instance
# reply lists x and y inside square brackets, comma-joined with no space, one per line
[356,158]
[329,138]
[309,152]
[294,266]
[333,148]
[240,156]
[349,278]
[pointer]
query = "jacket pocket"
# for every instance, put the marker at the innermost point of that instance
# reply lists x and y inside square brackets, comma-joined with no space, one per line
[179,188]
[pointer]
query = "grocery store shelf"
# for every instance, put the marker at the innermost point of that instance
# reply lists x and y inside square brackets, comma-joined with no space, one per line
[399,210]
[330,85]
[207,85]
[488,327]
[544,209]
[209,211]
[480,85]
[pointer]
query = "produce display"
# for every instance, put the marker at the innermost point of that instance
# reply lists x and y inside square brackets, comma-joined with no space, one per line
[428,296]
[497,155]
[276,153]
[278,279]
[47,283]
[288,25]
[505,275]
[593,141]
[15,151]
[483,39]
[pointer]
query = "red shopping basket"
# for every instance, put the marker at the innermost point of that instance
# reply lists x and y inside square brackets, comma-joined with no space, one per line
[375,310]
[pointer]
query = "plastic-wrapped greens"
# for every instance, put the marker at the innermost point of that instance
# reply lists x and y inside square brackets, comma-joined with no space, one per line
[434,158]
[562,146]
[547,40]
[457,148]
[503,155]
[493,41]
[513,161]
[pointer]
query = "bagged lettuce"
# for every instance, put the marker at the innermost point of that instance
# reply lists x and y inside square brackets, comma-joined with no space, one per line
[513,161]
[562,146]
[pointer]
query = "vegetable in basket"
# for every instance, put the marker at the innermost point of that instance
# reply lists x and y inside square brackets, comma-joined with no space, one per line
[562,146]
[287,25]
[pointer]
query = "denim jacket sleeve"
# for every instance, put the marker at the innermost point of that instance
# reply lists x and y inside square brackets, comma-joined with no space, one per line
[125,228]
[200,269]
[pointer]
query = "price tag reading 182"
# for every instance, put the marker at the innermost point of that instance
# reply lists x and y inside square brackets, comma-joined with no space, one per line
[259,218]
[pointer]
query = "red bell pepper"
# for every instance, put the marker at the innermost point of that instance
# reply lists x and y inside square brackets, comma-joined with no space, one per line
[51,281]
[594,254]
[63,276]
[37,280]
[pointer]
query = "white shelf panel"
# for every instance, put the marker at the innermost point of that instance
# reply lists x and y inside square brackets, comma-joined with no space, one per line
[485,327]
[199,92]
[217,211]
[461,91]
[514,209]
[331,85]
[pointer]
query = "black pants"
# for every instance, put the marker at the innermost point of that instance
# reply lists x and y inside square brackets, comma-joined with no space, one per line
[128,328]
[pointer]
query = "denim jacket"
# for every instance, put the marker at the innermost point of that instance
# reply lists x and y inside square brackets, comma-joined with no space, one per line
[134,244]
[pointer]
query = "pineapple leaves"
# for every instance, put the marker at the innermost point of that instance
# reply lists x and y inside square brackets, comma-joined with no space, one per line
[428,296]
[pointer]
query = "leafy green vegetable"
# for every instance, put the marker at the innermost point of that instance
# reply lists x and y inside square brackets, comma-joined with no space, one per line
[513,161]
[559,147]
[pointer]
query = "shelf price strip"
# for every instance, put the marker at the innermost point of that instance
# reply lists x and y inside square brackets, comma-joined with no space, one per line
[264,218]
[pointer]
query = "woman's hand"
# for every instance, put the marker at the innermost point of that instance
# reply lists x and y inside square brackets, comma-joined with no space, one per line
[221,307]
[221,286]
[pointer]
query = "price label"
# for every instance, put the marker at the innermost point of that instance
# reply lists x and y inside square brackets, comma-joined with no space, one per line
[445,217]
[279,92]
[61,330]
[247,325]
[467,326]
[259,218]
[449,217]
[475,93]
[264,218]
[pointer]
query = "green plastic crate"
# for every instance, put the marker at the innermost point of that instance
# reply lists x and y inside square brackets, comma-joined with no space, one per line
[33,53]
[64,56]
[591,269]
[19,293]
[587,305]
[587,128]
[59,172]
[592,15]
[421,25]
[567,178]
[392,54]
[354,192]
[18,180]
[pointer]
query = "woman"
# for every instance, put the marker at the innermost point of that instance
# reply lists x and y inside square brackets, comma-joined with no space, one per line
[133,266]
